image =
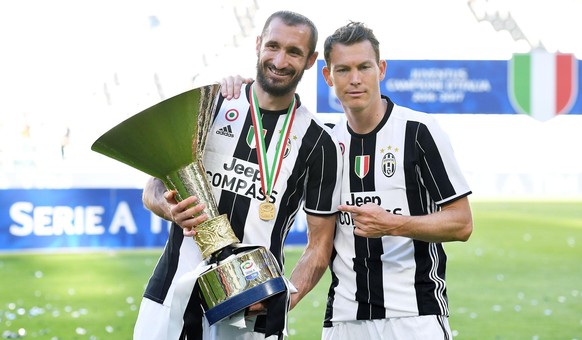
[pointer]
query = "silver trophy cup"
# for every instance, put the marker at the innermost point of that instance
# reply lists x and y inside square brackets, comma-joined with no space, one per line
[167,141]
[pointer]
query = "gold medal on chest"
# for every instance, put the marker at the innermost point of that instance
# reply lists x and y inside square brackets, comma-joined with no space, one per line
[266,211]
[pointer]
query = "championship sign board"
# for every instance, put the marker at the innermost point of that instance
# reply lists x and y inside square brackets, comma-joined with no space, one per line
[539,84]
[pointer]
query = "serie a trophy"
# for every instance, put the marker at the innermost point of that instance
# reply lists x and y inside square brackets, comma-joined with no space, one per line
[167,141]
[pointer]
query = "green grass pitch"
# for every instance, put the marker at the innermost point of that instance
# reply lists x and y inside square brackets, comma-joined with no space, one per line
[518,277]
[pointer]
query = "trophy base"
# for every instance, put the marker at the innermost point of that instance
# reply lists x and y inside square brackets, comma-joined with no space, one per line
[245,299]
[238,282]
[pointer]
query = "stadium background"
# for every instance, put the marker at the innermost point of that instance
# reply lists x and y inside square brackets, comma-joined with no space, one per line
[72,70]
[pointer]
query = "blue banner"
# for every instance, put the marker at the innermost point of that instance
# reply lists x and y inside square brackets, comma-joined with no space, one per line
[453,86]
[85,218]
[77,218]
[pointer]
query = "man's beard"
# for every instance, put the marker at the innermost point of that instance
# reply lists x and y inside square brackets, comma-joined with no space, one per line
[277,89]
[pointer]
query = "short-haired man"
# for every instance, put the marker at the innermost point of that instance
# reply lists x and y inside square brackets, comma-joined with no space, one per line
[402,194]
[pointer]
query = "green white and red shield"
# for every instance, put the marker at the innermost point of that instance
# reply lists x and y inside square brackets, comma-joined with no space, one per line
[543,84]
[362,165]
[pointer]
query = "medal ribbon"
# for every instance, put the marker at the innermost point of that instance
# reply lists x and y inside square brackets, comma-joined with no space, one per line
[269,176]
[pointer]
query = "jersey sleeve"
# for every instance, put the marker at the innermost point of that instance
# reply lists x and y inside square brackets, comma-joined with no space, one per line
[440,170]
[322,192]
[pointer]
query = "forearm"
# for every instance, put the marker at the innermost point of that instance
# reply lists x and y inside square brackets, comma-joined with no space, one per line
[307,273]
[452,223]
[315,259]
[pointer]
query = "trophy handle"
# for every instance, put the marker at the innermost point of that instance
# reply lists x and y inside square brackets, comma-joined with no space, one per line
[216,232]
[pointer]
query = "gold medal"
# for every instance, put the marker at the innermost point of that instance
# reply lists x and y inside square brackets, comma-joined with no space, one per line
[268,173]
[266,211]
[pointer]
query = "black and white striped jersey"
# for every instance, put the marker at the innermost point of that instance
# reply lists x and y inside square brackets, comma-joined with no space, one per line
[311,169]
[310,173]
[407,166]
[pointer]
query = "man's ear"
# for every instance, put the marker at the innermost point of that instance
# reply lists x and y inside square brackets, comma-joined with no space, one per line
[258,45]
[326,75]
[383,66]
[311,60]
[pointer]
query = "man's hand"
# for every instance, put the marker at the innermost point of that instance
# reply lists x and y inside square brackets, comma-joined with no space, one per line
[258,308]
[162,202]
[186,213]
[453,222]
[230,86]
[371,220]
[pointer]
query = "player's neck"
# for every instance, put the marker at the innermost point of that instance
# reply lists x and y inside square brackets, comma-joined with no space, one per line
[365,120]
[272,103]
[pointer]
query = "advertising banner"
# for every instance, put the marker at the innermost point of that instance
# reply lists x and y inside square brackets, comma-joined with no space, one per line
[539,84]
[84,218]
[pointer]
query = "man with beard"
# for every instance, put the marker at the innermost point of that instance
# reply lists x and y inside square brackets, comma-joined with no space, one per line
[266,129]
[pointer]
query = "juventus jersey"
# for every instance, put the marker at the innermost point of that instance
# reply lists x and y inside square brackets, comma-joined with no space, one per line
[310,173]
[407,166]
[310,170]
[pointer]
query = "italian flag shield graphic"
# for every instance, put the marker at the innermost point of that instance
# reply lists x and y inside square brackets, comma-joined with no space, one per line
[543,84]
[251,137]
[362,165]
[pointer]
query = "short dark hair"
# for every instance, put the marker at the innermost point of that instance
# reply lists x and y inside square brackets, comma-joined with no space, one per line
[352,33]
[295,19]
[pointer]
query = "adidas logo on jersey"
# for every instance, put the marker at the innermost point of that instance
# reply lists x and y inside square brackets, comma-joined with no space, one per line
[225,131]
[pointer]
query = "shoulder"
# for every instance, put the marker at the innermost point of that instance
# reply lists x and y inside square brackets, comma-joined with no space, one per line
[402,112]
[340,129]
[313,121]
[411,117]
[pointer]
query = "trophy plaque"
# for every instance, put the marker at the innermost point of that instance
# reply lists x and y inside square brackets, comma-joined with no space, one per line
[167,141]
